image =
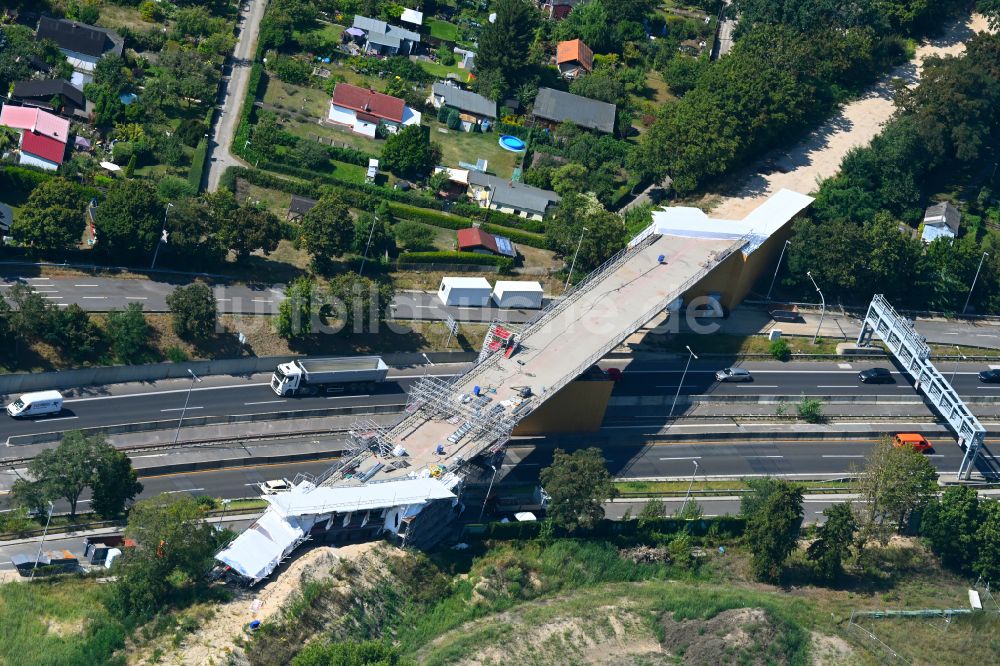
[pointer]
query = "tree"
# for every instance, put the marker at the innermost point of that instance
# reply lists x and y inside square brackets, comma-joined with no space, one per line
[987,562]
[503,44]
[194,311]
[761,488]
[327,230]
[605,234]
[112,71]
[413,236]
[129,220]
[833,544]
[374,234]
[115,484]
[298,311]
[950,524]
[408,152]
[71,330]
[592,22]
[65,471]
[312,155]
[53,216]
[895,482]
[31,313]
[600,86]
[578,484]
[811,410]
[127,332]
[249,229]
[174,548]
[357,302]
[991,10]
[772,532]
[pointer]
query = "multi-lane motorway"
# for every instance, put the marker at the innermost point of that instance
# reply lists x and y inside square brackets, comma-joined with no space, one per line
[220,396]
[101,294]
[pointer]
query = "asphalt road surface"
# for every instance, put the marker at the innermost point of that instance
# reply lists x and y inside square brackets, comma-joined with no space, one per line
[218,396]
[101,294]
[232,93]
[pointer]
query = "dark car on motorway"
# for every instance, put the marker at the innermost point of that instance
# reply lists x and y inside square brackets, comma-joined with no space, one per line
[990,376]
[876,376]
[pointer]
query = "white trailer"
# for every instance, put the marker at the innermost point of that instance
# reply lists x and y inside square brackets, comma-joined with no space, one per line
[512,294]
[309,376]
[465,291]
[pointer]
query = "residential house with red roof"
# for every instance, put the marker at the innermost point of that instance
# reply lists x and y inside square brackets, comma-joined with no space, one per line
[363,110]
[43,135]
[574,58]
[476,240]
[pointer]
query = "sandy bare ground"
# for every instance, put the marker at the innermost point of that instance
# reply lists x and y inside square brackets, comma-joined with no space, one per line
[856,124]
[213,642]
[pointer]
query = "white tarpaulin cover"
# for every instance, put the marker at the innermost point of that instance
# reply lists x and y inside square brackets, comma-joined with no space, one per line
[257,551]
[760,224]
[305,500]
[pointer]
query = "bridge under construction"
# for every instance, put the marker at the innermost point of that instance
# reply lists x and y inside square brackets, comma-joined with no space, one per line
[407,479]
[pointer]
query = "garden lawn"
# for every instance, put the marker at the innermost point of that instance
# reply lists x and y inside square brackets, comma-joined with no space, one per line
[458,146]
[442,71]
[442,29]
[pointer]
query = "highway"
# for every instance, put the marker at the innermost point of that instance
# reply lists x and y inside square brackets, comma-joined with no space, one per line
[219,396]
[101,294]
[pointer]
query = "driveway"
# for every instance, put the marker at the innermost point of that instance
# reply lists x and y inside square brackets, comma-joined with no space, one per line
[231,95]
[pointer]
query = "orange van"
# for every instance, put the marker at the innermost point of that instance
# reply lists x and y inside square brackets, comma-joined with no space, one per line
[914,440]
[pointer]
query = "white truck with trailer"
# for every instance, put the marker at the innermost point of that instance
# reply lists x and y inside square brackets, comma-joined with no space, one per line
[310,376]
[42,403]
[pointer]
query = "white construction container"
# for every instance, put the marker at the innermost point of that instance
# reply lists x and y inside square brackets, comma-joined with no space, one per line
[465,291]
[525,295]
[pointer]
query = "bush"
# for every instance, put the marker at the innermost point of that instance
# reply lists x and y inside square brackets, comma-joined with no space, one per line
[413,236]
[811,410]
[454,257]
[518,236]
[176,355]
[780,350]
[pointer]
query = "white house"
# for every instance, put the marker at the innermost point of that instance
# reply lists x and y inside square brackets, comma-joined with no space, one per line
[363,110]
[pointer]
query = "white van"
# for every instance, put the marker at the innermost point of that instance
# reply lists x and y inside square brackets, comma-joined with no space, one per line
[36,404]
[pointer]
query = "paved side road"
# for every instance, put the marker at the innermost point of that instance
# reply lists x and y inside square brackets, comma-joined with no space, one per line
[233,91]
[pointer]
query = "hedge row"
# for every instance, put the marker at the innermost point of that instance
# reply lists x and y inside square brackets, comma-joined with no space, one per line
[268,180]
[198,164]
[498,218]
[13,179]
[454,257]
[243,129]
[518,236]
[432,217]
[724,527]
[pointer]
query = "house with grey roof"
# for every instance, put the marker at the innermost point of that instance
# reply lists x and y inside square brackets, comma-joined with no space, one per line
[83,45]
[473,109]
[509,197]
[940,221]
[553,107]
[385,39]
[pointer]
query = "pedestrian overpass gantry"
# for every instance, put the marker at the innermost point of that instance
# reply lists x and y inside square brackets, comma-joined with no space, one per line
[911,350]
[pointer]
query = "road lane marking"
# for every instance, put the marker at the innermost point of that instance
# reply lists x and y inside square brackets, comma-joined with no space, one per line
[264,402]
[180,409]
[683,458]
[841,456]
[47,291]
[41,278]
[838,386]
[62,418]
[136,298]
[262,300]
[339,397]
[86,285]
[186,490]
[94,297]
[753,385]
[763,456]
[56,298]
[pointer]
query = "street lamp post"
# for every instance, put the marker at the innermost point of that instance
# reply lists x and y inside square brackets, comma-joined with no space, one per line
[822,312]
[575,254]
[496,468]
[687,497]
[691,355]
[776,269]
[371,232]
[41,542]
[955,369]
[194,378]
[969,297]
[163,232]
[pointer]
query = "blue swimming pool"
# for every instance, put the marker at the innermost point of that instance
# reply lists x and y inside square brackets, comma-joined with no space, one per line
[511,143]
